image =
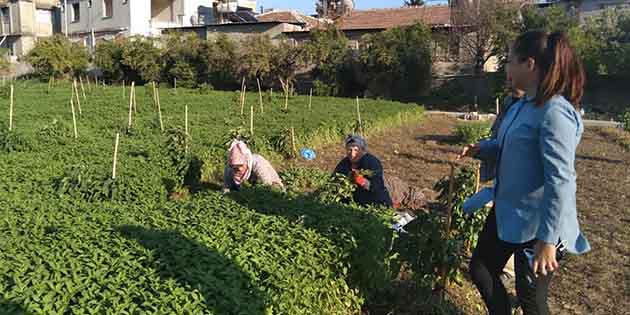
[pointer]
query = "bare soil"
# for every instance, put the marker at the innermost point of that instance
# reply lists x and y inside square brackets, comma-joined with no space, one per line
[596,283]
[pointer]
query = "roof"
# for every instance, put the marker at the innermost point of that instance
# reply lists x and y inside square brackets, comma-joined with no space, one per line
[292,17]
[390,18]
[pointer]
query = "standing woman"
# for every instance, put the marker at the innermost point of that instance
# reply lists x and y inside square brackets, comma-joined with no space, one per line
[534,198]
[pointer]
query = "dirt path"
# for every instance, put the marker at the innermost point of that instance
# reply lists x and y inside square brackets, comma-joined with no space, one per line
[597,283]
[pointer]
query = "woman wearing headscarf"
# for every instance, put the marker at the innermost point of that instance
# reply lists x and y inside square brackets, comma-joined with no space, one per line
[244,166]
[366,172]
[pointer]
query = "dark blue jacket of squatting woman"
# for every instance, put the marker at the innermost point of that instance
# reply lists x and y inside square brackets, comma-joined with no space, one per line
[375,193]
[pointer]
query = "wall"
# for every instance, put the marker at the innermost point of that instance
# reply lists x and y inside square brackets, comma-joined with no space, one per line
[92,18]
[140,12]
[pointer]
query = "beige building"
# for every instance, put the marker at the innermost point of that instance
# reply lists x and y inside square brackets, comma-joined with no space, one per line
[22,22]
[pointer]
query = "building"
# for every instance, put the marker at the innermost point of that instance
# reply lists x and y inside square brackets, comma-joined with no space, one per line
[22,22]
[273,24]
[585,9]
[91,20]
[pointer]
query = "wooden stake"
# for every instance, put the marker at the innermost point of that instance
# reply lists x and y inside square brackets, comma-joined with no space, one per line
[310,99]
[251,120]
[130,106]
[243,99]
[262,109]
[271,93]
[76,94]
[154,93]
[497,106]
[133,93]
[123,88]
[115,156]
[49,83]
[83,90]
[11,110]
[175,84]
[477,177]
[186,127]
[359,117]
[157,97]
[293,145]
[286,99]
[74,118]
[87,79]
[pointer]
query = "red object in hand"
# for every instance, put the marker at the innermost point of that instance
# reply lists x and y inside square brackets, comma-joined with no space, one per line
[360,180]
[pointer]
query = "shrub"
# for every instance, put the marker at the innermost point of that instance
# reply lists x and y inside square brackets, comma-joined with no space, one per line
[5,64]
[472,132]
[625,120]
[183,59]
[57,56]
[12,141]
[466,227]
[322,89]
[141,56]
[108,58]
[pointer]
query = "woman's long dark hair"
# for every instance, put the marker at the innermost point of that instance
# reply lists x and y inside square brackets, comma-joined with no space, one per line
[561,71]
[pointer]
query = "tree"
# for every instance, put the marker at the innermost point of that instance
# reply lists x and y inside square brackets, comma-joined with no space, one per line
[414,3]
[398,62]
[221,62]
[332,9]
[327,52]
[610,42]
[57,56]
[485,29]
[261,58]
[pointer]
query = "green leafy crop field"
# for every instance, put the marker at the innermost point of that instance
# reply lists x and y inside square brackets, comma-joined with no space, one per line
[75,241]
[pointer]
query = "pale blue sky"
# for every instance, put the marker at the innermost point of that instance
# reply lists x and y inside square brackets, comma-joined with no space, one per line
[308,6]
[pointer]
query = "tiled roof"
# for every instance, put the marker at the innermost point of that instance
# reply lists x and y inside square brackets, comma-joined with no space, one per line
[390,18]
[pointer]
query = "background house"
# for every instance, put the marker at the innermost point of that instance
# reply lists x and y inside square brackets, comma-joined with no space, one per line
[22,22]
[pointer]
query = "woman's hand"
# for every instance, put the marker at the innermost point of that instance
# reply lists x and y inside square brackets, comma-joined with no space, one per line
[469,150]
[544,258]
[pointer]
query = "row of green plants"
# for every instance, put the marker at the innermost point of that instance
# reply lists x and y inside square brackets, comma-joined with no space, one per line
[75,240]
[395,64]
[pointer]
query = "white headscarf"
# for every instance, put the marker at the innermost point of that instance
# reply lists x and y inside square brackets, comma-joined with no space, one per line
[240,154]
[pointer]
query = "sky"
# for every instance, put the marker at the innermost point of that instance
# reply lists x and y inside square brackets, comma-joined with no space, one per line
[308,6]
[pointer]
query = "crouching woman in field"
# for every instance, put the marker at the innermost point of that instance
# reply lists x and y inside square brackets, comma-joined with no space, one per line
[534,214]
[244,166]
[365,171]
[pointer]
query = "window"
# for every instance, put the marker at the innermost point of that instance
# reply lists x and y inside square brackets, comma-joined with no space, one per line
[44,16]
[5,16]
[108,8]
[75,13]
